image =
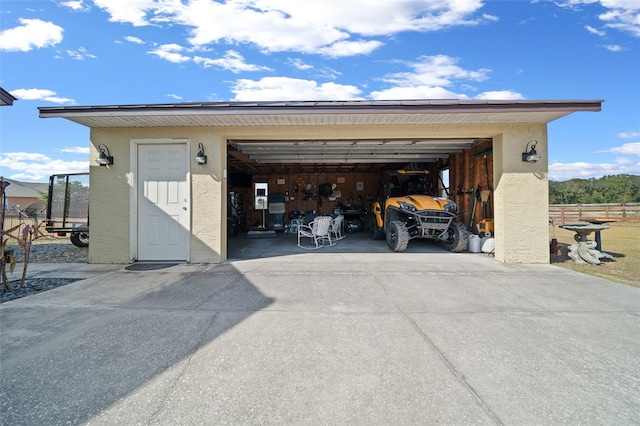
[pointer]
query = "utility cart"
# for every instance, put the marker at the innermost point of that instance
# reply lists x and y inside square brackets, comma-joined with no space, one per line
[68,207]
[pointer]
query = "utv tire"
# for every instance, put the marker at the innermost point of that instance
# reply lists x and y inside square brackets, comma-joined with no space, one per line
[376,232]
[458,238]
[80,239]
[397,236]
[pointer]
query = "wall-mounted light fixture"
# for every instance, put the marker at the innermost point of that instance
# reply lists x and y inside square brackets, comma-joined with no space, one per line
[200,157]
[531,155]
[105,158]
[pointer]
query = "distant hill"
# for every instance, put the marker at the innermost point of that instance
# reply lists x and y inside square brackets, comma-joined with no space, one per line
[608,189]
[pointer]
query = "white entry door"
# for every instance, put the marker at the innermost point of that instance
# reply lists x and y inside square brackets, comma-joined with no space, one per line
[163,202]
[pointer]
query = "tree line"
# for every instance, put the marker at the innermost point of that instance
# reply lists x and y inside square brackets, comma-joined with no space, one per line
[607,189]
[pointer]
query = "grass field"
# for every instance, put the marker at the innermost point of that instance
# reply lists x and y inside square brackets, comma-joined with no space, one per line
[622,241]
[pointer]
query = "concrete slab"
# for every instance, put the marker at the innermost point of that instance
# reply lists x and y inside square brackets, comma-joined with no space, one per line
[326,337]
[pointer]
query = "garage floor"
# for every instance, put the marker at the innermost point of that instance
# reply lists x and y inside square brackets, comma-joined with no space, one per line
[240,247]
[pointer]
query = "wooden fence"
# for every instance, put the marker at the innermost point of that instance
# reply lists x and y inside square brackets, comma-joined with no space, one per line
[559,213]
[563,213]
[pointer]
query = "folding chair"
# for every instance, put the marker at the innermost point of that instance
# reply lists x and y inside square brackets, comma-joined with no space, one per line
[317,230]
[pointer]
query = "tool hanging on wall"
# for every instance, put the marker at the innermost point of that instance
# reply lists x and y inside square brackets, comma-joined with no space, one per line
[477,198]
[489,187]
[489,184]
[472,206]
[484,196]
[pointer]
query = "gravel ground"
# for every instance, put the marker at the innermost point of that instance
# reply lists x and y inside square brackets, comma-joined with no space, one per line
[55,252]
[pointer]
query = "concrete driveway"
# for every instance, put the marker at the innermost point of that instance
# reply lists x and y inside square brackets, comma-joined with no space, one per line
[324,338]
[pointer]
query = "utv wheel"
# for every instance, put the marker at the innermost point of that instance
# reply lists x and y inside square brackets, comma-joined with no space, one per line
[458,238]
[376,232]
[397,236]
[80,239]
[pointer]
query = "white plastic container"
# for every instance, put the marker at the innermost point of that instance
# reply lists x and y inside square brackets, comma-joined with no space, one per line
[488,246]
[474,243]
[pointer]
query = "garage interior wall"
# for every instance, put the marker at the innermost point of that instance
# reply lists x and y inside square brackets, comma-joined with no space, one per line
[469,171]
[354,190]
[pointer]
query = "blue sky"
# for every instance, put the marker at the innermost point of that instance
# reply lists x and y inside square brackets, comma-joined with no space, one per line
[105,52]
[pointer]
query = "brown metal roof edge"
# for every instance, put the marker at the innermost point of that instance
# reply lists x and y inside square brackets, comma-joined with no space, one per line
[6,98]
[305,107]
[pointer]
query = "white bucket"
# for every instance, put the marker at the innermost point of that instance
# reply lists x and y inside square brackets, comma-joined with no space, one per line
[474,243]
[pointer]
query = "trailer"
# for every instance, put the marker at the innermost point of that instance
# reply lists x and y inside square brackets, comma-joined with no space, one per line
[68,207]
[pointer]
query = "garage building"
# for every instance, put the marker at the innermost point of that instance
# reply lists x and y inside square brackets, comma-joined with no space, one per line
[156,197]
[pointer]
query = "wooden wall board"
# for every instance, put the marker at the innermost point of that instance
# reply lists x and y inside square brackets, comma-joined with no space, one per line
[356,190]
[468,170]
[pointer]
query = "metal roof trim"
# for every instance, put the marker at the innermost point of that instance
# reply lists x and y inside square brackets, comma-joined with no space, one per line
[6,98]
[323,107]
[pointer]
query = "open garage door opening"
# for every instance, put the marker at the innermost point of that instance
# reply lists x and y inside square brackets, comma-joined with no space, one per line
[309,178]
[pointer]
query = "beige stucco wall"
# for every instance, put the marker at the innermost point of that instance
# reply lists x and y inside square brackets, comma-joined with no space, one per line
[521,189]
[521,196]
[110,199]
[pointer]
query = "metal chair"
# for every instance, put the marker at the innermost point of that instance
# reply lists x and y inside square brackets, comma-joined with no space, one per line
[318,231]
[336,227]
[293,226]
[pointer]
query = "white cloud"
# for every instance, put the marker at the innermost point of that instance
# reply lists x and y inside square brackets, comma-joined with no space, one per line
[129,11]
[327,73]
[627,148]
[40,94]
[624,19]
[37,167]
[77,5]
[623,15]
[438,70]
[170,52]
[595,31]
[432,77]
[174,96]
[622,165]
[133,39]
[33,33]
[614,48]
[310,26]
[24,156]
[627,135]
[76,150]
[349,48]
[415,92]
[80,54]
[299,64]
[566,171]
[500,95]
[290,89]
[231,61]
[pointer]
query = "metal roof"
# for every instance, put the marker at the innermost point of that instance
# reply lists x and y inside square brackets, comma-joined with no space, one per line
[6,98]
[257,156]
[314,113]
[25,189]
